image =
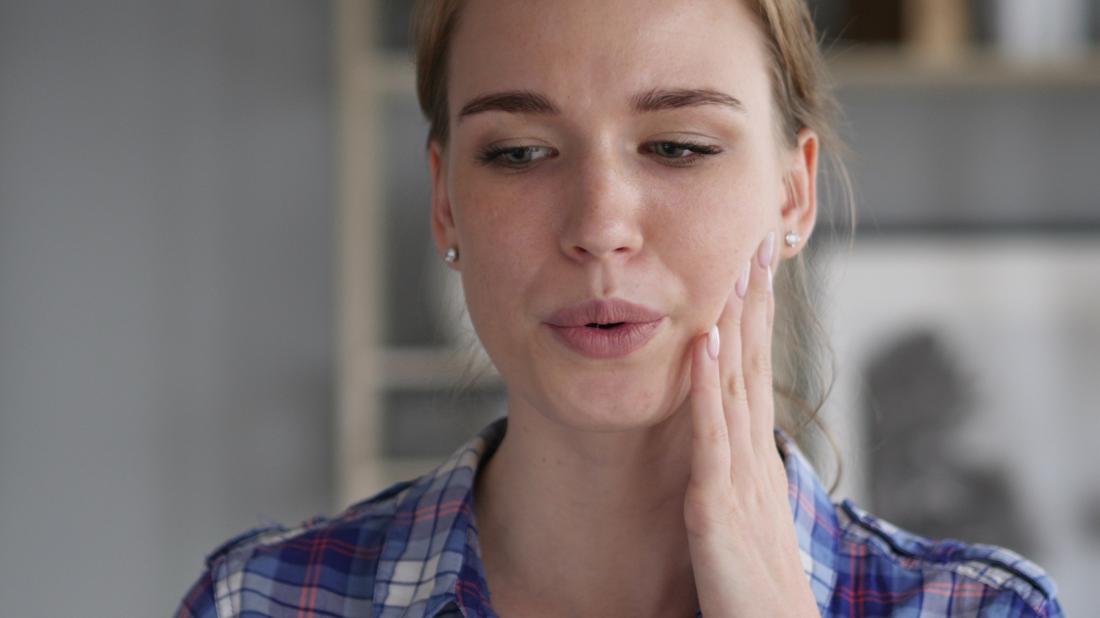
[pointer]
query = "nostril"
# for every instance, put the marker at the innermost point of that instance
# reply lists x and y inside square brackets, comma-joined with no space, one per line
[594,251]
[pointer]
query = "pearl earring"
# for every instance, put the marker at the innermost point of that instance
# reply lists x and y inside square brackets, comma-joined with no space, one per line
[791,238]
[451,255]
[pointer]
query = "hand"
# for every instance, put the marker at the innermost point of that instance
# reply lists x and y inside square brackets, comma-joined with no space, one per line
[744,549]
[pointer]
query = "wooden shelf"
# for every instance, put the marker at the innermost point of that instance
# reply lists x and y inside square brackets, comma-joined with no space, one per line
[395,74]
[900,67]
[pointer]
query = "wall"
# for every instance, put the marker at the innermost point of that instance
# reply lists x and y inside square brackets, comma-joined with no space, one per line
[165,291]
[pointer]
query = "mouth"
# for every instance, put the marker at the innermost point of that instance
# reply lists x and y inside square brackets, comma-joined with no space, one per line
[604,313]
[609,340]
[611,326]
[606,328]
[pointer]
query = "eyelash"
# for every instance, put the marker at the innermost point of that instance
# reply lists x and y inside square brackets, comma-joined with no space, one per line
[492,154]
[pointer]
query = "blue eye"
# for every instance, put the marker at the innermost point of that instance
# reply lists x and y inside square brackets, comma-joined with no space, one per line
[515,157]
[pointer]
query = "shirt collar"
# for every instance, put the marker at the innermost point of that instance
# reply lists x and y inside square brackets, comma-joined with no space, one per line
[433,541]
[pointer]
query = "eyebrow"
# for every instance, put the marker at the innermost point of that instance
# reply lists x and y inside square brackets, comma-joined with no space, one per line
[527,102]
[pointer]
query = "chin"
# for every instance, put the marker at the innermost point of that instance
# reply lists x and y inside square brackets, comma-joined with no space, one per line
[597,396]
[611,400]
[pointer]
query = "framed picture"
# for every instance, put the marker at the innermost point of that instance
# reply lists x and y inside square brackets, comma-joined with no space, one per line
[967,401]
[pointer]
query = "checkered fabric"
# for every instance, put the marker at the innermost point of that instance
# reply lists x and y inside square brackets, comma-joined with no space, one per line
[411,551]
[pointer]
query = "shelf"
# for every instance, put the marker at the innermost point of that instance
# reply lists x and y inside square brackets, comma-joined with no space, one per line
[434,368]
[894,66]
[395,74]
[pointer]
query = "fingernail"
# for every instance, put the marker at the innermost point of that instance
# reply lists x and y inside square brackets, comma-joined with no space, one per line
[713,343]
[769,278]
[766,249]
[743,281]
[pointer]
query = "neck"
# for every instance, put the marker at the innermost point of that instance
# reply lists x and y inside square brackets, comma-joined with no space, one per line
[587,523]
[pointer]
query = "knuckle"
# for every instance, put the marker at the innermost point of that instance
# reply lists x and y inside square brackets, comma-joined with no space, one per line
[735,386]
[761,362]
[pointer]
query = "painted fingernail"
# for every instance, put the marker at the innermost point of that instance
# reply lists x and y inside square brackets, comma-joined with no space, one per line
[766,249]
[743,281]
[713,342]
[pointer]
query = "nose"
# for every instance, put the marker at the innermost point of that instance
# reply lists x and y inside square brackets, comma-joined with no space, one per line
[603,217]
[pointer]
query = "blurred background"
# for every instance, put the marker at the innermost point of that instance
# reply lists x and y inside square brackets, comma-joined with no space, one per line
[220,306]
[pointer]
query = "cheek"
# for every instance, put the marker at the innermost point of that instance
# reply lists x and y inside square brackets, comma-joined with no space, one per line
[500,246]
[705,237]
[712,227]
[494,216]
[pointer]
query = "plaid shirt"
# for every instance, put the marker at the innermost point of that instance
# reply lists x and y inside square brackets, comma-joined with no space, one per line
[411,551]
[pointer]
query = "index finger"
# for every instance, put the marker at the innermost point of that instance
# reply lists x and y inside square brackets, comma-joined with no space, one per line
[710,457]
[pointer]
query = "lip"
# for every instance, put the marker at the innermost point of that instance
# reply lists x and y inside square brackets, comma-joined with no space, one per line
[604,311]
[635,326]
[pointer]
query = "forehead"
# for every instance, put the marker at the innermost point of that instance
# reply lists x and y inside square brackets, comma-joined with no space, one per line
[589,55]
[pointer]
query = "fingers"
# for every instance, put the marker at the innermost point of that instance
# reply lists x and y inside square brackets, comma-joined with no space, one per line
[756,334]
[731,397]
[710,465]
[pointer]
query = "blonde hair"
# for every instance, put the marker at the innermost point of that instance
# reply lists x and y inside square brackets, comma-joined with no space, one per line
[803,99]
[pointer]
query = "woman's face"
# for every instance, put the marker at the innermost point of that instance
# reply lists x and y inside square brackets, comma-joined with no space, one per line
[612,181]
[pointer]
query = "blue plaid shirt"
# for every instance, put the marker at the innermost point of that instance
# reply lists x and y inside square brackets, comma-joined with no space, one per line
[411,551]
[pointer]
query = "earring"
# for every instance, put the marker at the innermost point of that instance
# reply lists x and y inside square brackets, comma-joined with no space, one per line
[791,238]
[451,256]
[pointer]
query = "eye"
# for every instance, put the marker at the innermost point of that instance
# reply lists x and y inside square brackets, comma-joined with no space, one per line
[515,157]
[682,154]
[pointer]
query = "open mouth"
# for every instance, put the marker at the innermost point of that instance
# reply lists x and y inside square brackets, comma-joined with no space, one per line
[607,339]
[610,326]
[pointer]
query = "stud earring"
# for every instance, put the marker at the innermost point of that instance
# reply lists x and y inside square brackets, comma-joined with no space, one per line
[791,238]
[451,255]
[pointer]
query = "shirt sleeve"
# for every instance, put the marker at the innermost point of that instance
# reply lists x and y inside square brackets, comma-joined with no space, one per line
[199,600]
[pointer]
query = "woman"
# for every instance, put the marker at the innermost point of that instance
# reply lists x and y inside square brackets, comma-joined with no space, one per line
[617,184]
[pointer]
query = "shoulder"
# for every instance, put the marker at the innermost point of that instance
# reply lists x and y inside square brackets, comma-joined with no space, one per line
[278,568]
[881,566]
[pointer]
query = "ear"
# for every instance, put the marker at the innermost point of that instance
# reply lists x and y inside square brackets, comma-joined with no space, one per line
[799,212]
[443,223]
